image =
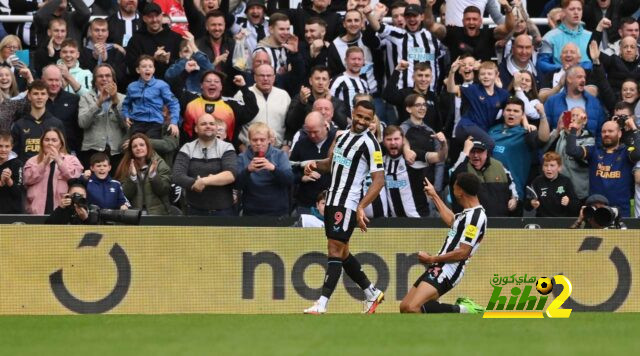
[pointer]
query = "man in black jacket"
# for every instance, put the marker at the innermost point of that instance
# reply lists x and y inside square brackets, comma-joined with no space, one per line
[70,212]
[76,20]
[11,188]
[155,40]
[124,22]
[64,106]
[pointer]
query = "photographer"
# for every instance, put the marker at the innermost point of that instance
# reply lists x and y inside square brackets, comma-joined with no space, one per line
[73,207]
[597,214]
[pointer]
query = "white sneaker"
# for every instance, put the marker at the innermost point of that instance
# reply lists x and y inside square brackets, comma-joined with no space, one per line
[372,303]
[316,309]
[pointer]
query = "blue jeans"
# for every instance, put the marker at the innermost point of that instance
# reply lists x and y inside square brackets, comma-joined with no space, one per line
[202,212]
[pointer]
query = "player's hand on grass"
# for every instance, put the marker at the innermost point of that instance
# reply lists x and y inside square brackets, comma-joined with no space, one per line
[362,219]
[424,257]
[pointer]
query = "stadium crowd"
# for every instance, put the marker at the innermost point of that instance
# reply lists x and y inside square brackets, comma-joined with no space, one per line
[219,115]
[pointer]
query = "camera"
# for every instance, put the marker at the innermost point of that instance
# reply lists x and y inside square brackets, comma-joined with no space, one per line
[99,216]
[78,199]
[620,120]
[604,216]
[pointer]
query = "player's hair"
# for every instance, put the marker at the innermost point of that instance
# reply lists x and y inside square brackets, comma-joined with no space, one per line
[69,42]
[259,127]
[95,72]
[420,66]
[353,50]
[37,84]
[145,57]
[391,129]
[552,156]
[99,21]
[63,142]
[411,99]
[488,65]
[57,20]
[397,4]
[365,104]
[623,105]
[315,20]
[565,3]
[277,17]
[473,9]
[99,157]
[469,183]
[512,100]
[319,68]
[215,13]
[6,135]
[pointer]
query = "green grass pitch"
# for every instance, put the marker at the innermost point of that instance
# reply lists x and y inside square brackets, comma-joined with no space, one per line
[344,334]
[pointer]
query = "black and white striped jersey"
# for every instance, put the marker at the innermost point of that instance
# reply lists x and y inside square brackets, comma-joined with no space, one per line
[345,87]
[404,188]
[338,50]
[413,47]
[379,207]
[277,57]
[242,23]
[469,227]
[354,157]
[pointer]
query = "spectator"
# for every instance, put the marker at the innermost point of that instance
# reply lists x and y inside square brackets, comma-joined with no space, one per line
[396,9]
[610,164]
[145,99]
[25,30]
[195,10]
[69,212]
[252,23]
[234,113]
[264,176]
[97,51]
[77,79]
[454,16]
[272,104]
[153,39]
[576,170]
[636,179]
[350,83]
[609,12]
[516,142]
[100,116]
[206,169]
[145,177]
[482,101]
[325,108]
[46,175]
[575,95]
[523,26]
[174,8]
[219,47]
[76,20]
[10,109]
[498,194]
[315,49]
[472,37]
[303,102]
[554,195]
[28,130]
[48,52]
[552,83]
[63,105]
[102,190]
[313,146]
[186,73]
[319,9]
[11,188]
[622,113]
[451,104]
[124,22]
[422,78]
[628,27]
[315,218]
[591,221]
[8,48]
[520,59]
[524,88]
[570,30]
[623,66]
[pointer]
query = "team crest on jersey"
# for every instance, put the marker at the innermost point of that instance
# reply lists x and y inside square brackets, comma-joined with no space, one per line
[560,190]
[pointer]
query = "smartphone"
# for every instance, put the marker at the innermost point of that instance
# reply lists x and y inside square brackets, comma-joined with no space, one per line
[260,154]
[566,118]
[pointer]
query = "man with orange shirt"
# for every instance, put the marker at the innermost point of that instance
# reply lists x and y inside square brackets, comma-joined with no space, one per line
[235,113]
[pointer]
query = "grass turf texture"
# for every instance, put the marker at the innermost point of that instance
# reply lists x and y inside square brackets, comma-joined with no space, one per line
[383,334]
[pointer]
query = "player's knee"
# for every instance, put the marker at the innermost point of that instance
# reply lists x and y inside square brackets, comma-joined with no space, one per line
[405,307]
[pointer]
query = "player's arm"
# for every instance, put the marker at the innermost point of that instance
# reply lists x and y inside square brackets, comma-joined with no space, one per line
[445,213]
[321,165]
[377,183]
[456,255]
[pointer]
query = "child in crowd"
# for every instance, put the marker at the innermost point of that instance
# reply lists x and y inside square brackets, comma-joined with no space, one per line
[552,193]
[316,217]
[102,190]
[192,62]
[146,97]
[11,187]
[78,80]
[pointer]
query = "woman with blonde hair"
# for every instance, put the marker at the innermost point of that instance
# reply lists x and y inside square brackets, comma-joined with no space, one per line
[8,48]
[145,177]
[46,175]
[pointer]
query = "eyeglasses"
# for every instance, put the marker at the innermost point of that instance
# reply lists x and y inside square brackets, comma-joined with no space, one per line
[13,48]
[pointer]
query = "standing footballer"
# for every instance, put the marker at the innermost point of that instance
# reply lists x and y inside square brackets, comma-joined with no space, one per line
[445,270]
[354,154]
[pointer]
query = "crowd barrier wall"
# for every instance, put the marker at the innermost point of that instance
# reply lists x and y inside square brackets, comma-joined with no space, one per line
[155,270]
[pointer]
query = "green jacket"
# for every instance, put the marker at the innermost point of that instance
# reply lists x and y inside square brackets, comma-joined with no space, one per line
[147,193]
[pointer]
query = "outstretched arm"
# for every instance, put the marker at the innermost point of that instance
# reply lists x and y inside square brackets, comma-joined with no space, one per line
[445,213]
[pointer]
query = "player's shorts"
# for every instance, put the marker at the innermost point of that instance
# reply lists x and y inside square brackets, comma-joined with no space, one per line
[431,276]
[339,223]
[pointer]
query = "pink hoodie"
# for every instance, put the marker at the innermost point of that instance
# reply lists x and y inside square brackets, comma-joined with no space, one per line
[36,176]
